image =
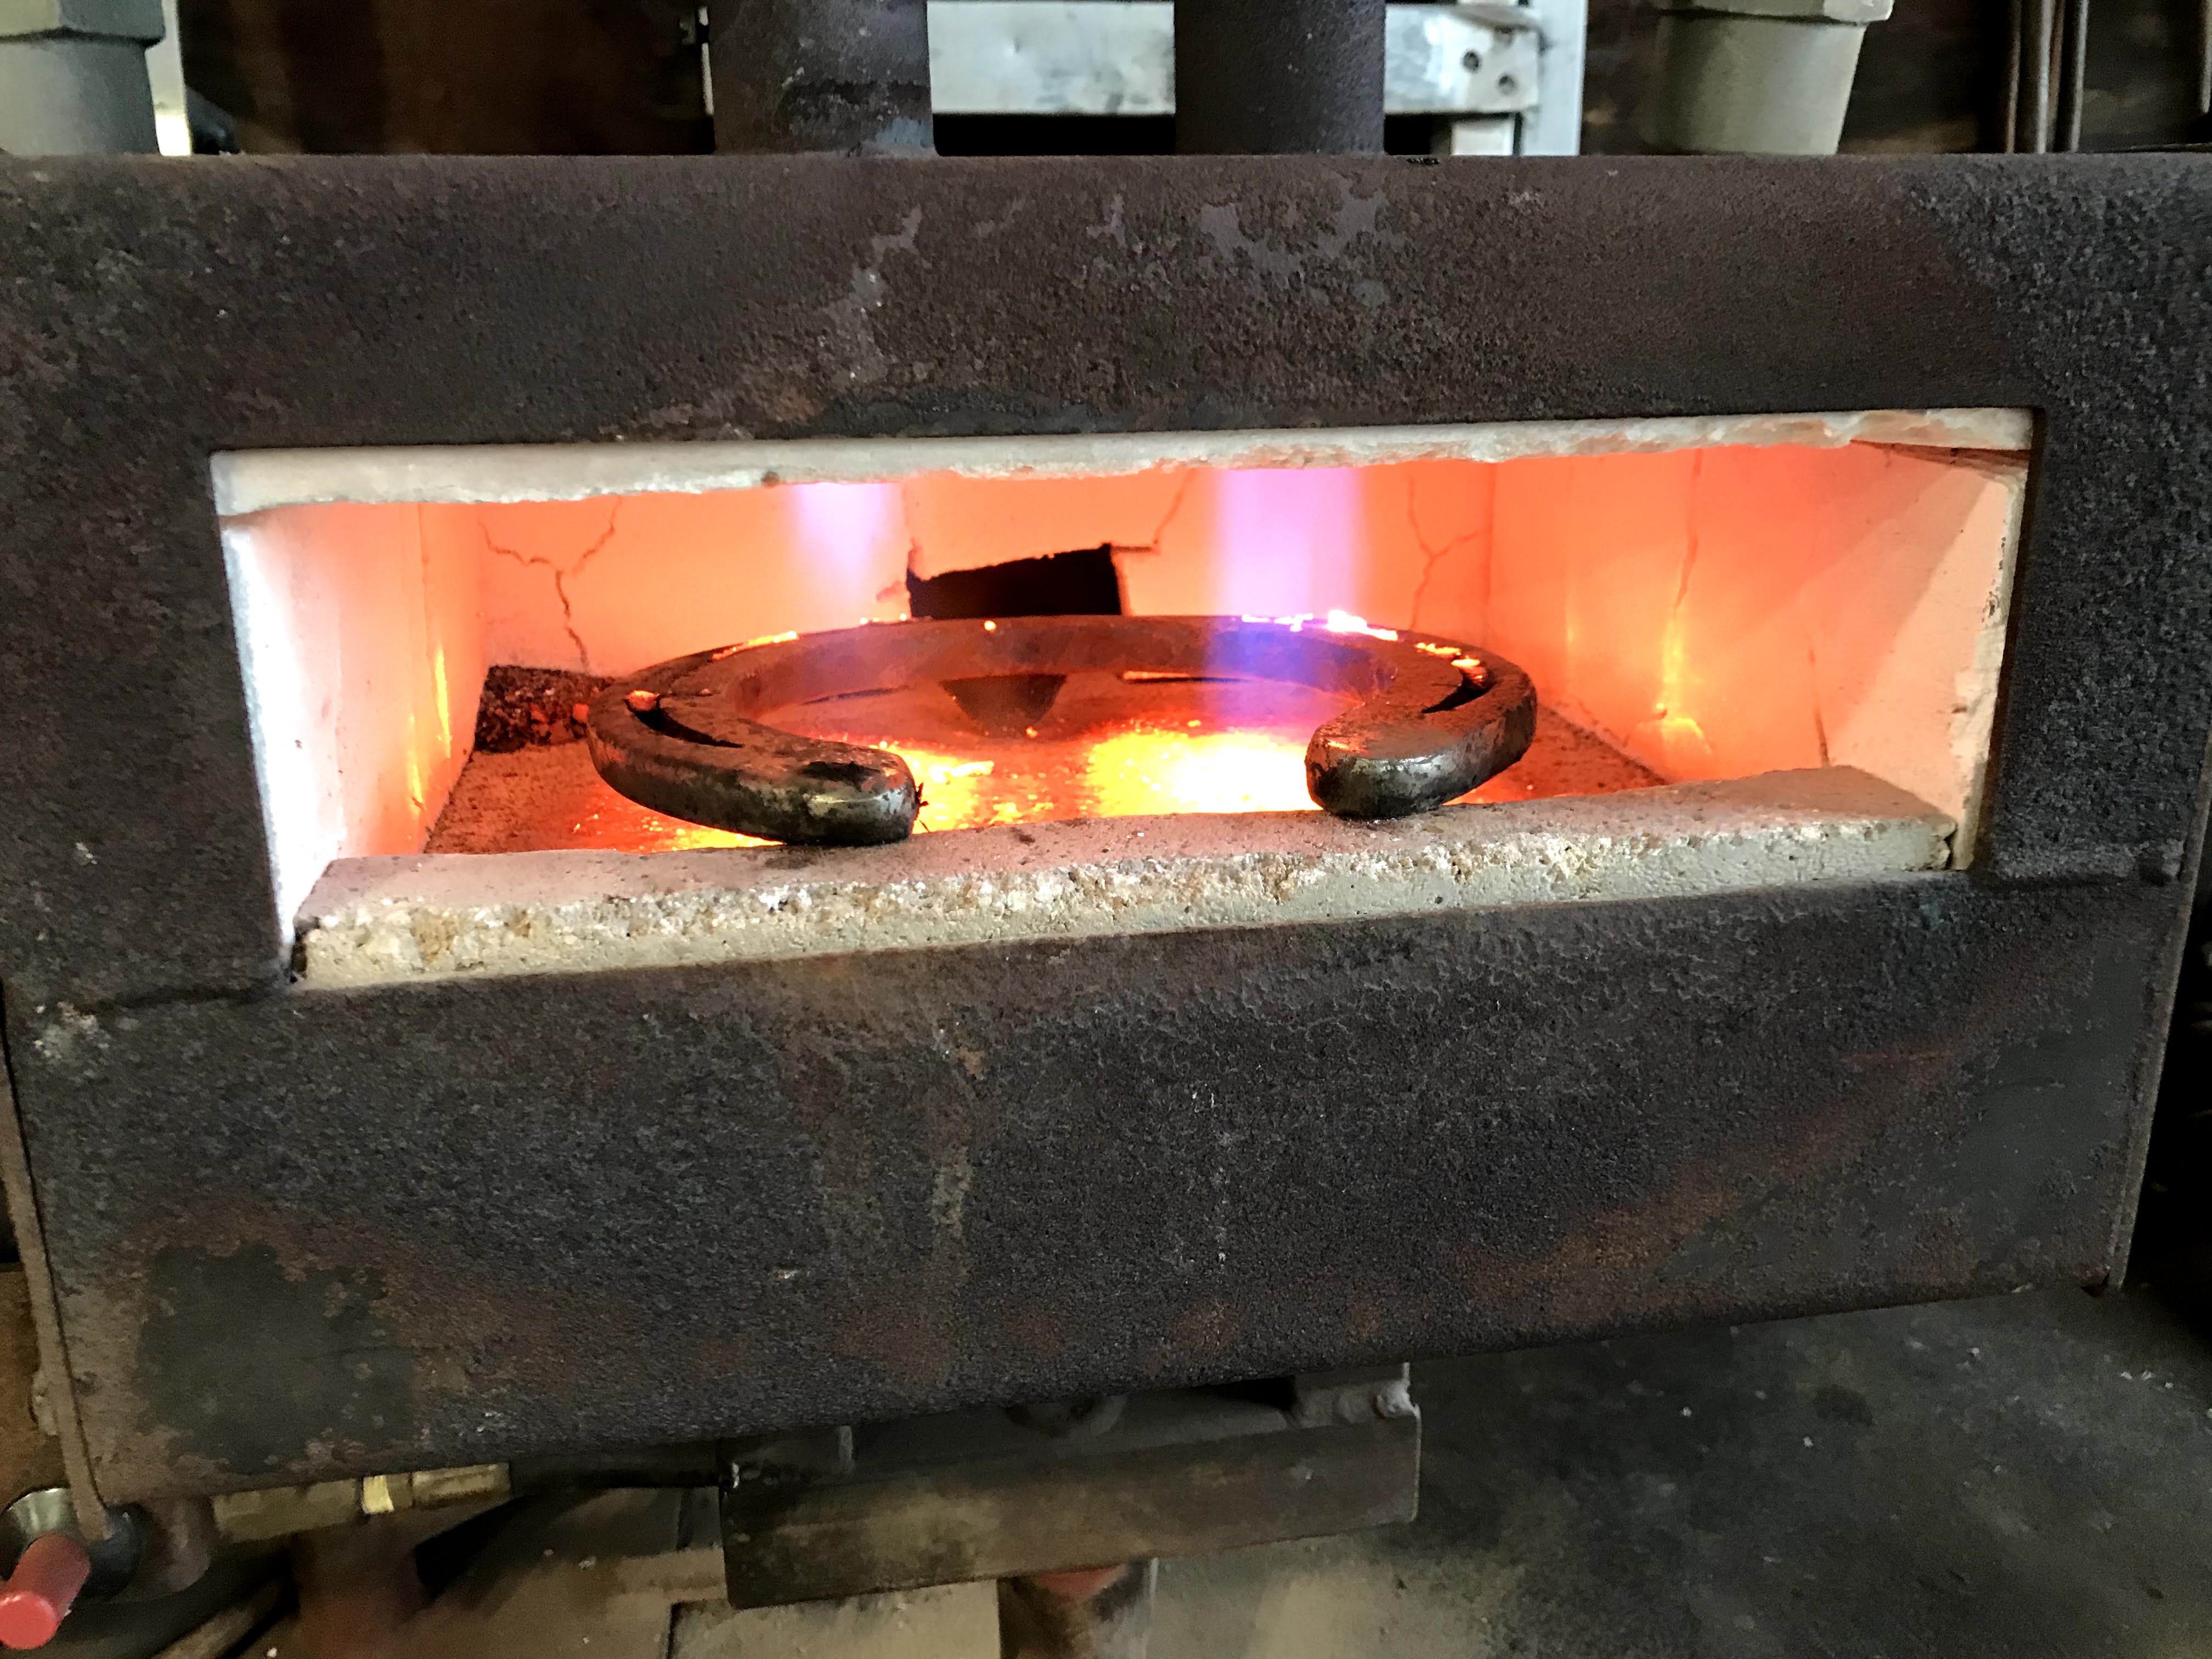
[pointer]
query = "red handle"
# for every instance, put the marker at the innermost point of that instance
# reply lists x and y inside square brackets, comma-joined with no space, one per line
[37,1594]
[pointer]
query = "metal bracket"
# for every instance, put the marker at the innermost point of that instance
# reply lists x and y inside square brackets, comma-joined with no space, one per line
[1117,57]
[1362,1393]
[976,1495]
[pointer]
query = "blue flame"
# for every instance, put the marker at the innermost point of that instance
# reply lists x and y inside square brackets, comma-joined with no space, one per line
[841,527]
[1287,541]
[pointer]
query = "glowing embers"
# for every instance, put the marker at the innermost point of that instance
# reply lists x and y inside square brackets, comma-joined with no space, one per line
[1148,771]
[1108,747]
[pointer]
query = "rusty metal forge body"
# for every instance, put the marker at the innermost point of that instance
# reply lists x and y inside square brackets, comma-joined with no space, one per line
[299,1232]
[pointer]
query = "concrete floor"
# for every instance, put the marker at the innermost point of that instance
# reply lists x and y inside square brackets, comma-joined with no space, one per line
[2025,1477]
[2022,1477]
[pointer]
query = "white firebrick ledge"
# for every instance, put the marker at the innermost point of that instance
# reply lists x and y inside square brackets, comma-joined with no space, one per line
[252,481]
[381,920]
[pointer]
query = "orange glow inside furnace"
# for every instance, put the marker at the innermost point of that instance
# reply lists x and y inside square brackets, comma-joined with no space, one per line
[1109,746]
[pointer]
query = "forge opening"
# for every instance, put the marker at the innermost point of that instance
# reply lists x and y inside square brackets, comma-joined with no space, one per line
[1695,599]
[1081,582]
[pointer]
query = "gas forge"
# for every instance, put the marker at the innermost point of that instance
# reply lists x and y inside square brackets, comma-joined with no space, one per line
[1765,651]
[1424,785]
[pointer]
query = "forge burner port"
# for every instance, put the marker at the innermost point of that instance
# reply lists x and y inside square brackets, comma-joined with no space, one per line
[1429,720]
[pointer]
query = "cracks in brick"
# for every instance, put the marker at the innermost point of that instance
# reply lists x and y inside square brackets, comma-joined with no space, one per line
[1175,506]
[1672,652]
[1160,530]
[560,574]
[1819,721]
[1689,540]
[1432,557]
[1150,545]
[2003,466]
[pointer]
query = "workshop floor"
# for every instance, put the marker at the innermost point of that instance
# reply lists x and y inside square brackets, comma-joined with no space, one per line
[2027,1476]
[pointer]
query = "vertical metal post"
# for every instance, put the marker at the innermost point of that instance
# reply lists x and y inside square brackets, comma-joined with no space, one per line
[2015,61]
[2073,68]
[1554,127]
[2205,57]
[848,75]
[1278,76]
[164,74]
[2038,37]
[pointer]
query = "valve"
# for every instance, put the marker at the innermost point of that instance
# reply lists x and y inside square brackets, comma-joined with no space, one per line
[54,1568]
[43,1586]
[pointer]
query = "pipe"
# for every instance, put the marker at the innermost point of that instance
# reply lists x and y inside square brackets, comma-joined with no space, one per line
[2205,57]
[2073,66]
[1256,77]
[1756,77]
[1739,82]
[2009,113]
[2038,35]
[73,78]
[844,76]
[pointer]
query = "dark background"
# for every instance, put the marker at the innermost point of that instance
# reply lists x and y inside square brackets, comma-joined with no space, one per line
[622,76]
